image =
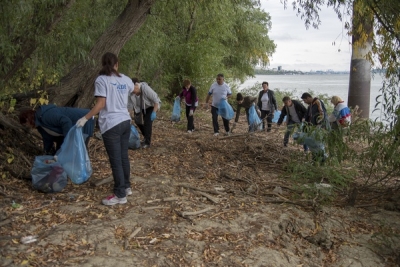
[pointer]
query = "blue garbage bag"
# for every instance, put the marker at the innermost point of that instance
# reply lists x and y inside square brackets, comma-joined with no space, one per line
[48,175]
[254,121]
[277,114]
[312,139]
[225,110]
[176,112]
[74,157]
[134,139]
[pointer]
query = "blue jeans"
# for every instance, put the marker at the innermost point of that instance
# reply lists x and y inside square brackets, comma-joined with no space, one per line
[116,142]
[289,130]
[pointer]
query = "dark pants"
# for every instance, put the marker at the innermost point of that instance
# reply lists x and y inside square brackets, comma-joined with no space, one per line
[214,112]
[268,114]
[290,127]
[147,128]
[190,120]
[116,142]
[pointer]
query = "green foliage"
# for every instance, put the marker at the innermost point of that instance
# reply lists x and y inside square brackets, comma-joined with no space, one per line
[198,40]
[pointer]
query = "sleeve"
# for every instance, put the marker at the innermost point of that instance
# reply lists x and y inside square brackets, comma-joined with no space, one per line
[229,90]
[282,116]
[321,112]
[48,141]
[273,99]
[150,94]
[100,87]
[130,103]
[193,96]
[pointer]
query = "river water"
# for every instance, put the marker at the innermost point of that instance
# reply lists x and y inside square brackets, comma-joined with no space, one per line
[330,84]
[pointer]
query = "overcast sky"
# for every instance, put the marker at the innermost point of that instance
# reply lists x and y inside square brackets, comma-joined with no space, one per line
[305,50]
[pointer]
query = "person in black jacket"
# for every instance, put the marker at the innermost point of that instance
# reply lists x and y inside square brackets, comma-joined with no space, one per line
[294,112]
[267,104]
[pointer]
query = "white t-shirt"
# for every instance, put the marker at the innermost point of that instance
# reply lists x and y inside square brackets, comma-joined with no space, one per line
[219,92]
[116,91]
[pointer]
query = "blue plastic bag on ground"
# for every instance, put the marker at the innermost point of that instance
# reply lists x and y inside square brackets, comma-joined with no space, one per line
[48,175]
[254,121]
[74,157]
[134,139]
[176,112]
[225,110]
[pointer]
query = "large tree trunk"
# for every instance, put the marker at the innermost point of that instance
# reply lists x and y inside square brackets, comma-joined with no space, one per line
[77,87]
[360,66]
[28,43]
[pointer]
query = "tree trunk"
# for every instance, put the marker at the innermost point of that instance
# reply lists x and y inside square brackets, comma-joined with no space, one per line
[360,66]
[77,87]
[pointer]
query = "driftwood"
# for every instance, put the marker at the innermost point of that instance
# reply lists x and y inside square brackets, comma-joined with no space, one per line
[4,222]
[211,198]
[191,213]
[153,208]
[102,181]
[163,199]
[134,233]
[199,189]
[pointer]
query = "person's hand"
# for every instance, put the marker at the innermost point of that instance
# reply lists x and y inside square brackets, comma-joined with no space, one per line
[191,112]
[153,116]
[56,158]
[258,113]
[81,122]
[178,97]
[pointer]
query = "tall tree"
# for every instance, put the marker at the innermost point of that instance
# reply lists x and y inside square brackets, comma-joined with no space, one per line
[360,65]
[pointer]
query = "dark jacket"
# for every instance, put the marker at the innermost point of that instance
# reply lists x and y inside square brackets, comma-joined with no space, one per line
[247,103]
[190,96]
[316,113]
[300,111]
[271,102]
[59,120]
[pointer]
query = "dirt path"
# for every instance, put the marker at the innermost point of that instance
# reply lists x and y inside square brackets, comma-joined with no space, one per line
[197,201]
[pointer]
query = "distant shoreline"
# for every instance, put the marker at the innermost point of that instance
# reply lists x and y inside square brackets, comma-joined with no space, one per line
[318,72]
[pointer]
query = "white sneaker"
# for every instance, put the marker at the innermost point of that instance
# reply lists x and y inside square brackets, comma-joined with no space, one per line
[128,191]
[216,134]
[113,199]
[189,131]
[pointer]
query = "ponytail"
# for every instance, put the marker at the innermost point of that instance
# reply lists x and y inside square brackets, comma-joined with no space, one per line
[108,61]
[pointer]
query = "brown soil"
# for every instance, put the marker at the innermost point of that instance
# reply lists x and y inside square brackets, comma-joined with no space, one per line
[248,212]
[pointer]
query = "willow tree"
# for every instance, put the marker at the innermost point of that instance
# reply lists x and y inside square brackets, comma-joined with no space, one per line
[197,40]
[42,41]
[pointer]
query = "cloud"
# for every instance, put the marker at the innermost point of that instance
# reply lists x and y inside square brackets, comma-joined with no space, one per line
[304,49]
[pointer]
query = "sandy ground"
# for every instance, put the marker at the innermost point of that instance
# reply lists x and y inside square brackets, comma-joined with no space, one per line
[197,200]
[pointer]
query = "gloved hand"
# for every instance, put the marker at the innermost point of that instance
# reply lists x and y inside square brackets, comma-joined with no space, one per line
[81,122]
[191,112]
[153,116]
[56,158]
[178,97]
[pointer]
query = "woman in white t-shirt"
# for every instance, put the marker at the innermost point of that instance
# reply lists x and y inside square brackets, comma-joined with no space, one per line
[111,91]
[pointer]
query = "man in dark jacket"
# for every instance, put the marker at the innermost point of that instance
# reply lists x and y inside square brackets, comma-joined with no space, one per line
[246,103]
[53,123]
[267,104]
[316,112]
[294,112]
